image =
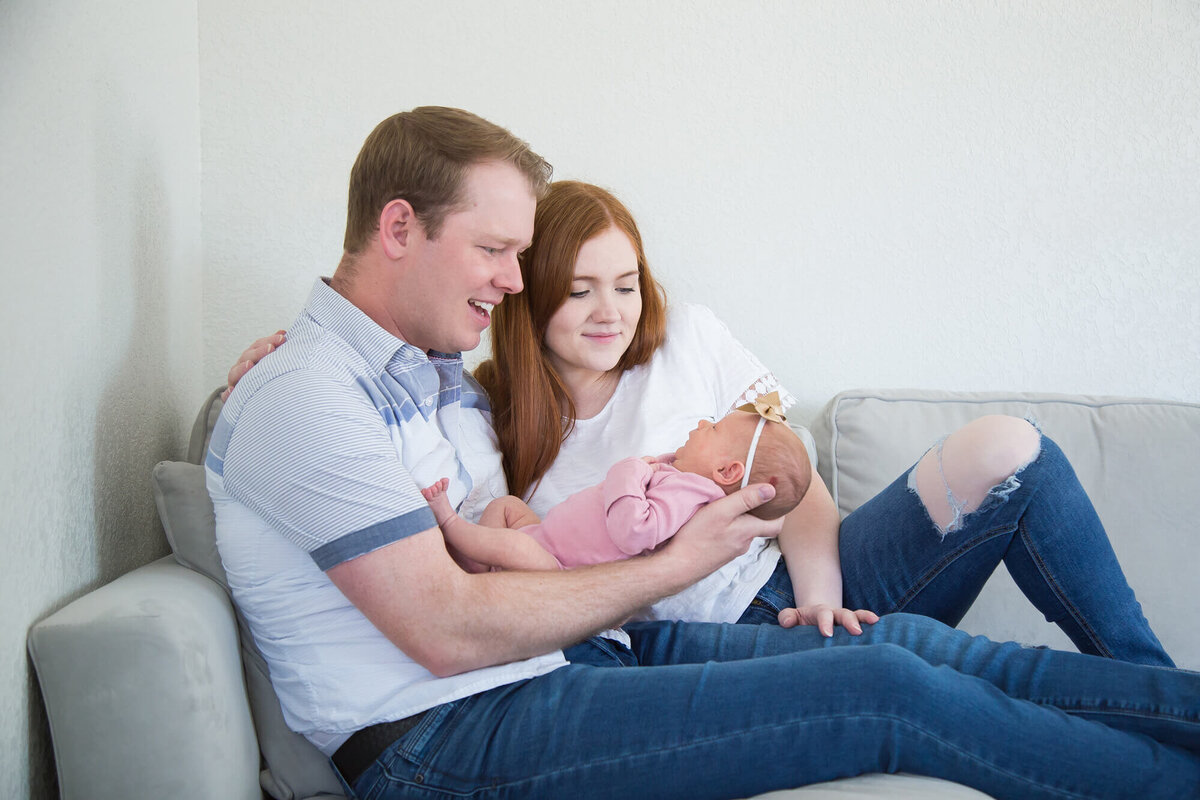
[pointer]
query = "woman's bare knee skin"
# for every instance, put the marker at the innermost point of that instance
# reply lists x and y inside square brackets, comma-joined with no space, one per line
[954,478]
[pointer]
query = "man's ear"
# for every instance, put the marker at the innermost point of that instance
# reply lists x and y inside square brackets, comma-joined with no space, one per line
[397,222]
[729,473]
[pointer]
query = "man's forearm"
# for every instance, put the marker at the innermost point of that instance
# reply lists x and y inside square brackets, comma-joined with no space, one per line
[450,621]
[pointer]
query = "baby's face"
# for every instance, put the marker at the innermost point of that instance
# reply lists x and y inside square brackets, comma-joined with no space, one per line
[713,445]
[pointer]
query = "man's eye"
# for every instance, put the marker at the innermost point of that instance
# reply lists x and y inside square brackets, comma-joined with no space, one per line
[491,251]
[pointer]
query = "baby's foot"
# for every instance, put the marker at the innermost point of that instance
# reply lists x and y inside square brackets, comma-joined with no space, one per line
[436,496]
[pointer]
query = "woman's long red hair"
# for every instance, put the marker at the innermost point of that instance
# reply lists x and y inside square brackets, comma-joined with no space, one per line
[531,409]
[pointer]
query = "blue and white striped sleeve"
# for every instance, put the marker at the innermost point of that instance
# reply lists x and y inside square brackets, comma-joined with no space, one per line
[313,456]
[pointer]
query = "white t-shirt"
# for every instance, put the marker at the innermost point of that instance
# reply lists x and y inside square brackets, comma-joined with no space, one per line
[700,371]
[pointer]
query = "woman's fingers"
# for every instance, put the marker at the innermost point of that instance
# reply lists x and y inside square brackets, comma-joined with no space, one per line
[826,617]
[251,356]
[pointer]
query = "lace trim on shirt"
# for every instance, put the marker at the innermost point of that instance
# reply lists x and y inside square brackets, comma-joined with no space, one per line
[767,383]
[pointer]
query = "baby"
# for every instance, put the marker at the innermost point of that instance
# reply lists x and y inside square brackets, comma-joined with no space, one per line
[642,501]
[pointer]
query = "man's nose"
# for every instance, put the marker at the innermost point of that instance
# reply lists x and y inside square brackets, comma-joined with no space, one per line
[509,279]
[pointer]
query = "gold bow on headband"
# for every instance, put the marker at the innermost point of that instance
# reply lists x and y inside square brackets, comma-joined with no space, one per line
[768,406]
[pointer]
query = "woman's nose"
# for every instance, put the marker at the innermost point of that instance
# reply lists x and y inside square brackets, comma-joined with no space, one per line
[605,309]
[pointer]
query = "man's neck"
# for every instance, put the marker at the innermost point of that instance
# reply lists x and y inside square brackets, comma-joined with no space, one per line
[352,280]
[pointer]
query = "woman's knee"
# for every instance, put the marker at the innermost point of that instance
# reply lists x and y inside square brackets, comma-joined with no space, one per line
[956,477]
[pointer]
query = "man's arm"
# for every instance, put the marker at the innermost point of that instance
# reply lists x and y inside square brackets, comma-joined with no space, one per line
[809,542]
[450,621]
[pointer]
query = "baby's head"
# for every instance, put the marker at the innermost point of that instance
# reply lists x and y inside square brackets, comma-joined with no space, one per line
[720,450]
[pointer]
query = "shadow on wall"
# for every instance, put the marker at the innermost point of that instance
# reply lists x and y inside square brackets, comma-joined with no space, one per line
[136,423]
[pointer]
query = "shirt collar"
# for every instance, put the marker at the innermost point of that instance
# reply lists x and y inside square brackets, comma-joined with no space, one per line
[339,316]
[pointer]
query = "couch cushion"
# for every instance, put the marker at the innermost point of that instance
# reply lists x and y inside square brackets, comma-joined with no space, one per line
[187,517]
[1135,457]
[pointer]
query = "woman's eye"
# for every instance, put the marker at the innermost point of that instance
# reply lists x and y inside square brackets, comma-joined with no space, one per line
[627,289]
[579,294]
[491,251]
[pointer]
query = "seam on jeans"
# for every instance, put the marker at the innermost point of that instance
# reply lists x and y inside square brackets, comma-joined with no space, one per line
[1043,570]
[626,760]
[1174,715]
[939,567]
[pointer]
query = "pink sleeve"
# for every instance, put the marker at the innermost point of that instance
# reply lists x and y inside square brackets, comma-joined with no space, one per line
[645,507]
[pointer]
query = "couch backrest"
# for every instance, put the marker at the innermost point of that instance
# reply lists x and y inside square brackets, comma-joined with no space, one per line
[1138,459]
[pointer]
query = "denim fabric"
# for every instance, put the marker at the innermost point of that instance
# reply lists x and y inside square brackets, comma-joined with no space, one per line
[1045,531]
[744,709]
[775,595]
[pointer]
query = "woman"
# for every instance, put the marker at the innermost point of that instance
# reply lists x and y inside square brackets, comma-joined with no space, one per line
[589,367]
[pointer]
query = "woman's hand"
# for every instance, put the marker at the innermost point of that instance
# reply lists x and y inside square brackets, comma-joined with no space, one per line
[825,617]
[251,356]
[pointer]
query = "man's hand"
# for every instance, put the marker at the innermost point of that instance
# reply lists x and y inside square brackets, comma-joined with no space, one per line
[825,617]
[251,356]
[719,533]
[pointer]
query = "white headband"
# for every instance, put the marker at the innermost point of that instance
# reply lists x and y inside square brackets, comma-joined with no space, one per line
[753,446]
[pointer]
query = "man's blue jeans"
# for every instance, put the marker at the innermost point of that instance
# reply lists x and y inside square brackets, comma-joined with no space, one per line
[699,710]
[1046,532]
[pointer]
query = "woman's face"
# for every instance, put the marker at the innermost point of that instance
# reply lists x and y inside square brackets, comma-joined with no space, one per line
[595,325]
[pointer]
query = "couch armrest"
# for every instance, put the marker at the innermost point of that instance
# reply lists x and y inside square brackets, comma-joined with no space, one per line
[142,680]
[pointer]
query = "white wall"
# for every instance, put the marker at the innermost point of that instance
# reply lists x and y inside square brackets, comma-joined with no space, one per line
[936,194]
[100,244]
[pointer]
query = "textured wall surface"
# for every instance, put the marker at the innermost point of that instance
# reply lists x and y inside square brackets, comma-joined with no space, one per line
[937,194]
[99,207]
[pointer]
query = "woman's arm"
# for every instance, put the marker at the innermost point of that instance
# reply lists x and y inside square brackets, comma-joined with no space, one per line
[809,542]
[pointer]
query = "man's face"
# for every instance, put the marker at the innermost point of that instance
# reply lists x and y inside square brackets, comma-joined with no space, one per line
[451,282]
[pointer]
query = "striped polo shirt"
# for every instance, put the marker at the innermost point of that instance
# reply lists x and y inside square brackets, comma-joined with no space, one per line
[317,458]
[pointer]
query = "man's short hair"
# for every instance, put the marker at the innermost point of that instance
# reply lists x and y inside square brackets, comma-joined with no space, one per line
[422,156]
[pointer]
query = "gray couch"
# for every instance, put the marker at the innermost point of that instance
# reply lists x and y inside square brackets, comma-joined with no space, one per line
[153,690]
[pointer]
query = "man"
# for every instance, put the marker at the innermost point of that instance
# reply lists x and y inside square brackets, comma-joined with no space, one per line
[419,678]
[360,402]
